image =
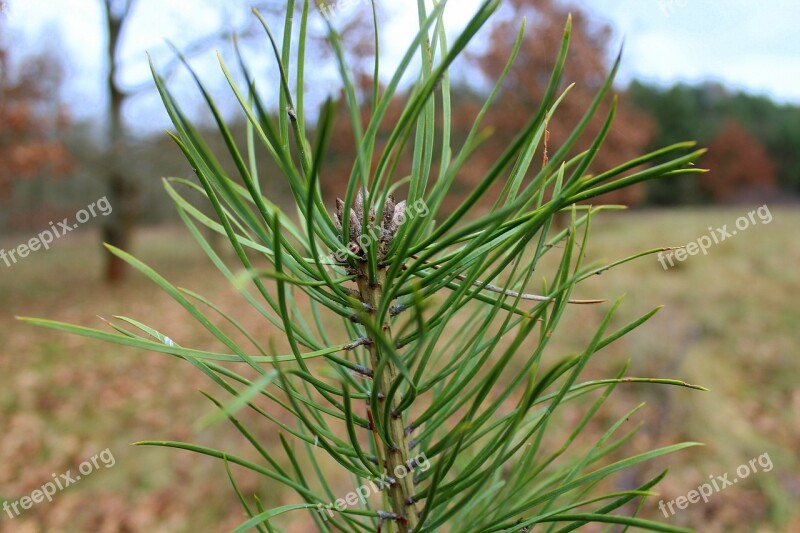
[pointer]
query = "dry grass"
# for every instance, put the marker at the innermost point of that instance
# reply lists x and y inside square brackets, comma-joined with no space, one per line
[730,323]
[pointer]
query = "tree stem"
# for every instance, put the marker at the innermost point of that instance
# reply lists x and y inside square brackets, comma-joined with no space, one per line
[396,458]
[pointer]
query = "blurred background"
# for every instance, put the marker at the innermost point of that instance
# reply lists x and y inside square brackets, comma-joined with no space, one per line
[81,122]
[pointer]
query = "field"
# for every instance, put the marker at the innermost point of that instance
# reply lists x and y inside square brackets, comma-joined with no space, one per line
[729,323]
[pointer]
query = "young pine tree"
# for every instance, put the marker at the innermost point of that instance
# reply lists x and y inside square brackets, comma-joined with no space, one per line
[418,358]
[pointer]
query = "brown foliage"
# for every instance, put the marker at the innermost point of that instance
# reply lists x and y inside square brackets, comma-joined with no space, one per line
[525,84]
[342,151]
[739,166]
[31,122]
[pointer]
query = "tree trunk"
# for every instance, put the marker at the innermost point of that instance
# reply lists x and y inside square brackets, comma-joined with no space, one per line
[118,227]
[122,192]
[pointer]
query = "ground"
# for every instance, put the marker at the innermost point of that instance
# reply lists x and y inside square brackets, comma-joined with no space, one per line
[729,323]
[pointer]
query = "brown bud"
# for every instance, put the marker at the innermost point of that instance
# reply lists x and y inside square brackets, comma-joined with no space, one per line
[398,217]
[355,226]
[388,212]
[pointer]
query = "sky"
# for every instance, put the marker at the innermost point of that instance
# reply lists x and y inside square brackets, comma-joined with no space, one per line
[753,46]
[743,44]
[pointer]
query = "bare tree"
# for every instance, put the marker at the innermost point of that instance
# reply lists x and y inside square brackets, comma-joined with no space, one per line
[121,189]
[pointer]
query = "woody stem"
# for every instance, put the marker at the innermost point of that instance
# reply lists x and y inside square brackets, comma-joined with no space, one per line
[396,457]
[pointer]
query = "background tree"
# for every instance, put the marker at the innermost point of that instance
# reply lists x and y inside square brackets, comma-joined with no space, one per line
[123,188]
[707,110]
[31,120]
[525,85]
[520,94]
[739,164]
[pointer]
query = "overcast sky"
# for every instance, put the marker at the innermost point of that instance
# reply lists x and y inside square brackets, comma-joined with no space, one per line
[747,45]
[750,45]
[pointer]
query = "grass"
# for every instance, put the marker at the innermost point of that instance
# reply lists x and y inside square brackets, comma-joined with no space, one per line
[729,323]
